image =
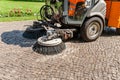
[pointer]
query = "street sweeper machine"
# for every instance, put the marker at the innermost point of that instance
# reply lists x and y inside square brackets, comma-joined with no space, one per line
[64,19]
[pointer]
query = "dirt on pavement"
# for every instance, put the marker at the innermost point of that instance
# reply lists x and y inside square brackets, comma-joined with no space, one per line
[98,60]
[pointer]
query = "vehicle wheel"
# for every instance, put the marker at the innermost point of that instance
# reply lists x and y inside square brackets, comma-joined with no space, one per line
[92,29]
[118,31]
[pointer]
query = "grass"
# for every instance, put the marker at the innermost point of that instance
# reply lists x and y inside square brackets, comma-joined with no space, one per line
[9,19]
[6,6]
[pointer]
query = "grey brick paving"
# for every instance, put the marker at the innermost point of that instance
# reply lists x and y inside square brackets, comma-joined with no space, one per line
[98,60]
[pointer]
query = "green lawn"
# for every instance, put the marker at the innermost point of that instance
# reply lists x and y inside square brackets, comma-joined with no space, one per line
[9,19]
[6,6]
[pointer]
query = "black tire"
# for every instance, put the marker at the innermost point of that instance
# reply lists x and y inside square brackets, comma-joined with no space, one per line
[92,29]
[118,31]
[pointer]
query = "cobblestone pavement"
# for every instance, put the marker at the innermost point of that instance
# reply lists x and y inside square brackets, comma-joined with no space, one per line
[98,60]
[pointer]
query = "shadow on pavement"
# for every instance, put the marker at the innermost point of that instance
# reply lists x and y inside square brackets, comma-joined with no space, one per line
[15,37]
[109,32]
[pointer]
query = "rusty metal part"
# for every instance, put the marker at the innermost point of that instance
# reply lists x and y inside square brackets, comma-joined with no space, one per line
[55,32]
[65,34]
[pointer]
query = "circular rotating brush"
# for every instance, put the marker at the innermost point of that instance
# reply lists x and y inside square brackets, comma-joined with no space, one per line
[35,31]
[49,46]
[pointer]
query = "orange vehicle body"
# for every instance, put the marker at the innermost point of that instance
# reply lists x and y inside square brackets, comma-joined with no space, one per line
[113,13]
[72,6]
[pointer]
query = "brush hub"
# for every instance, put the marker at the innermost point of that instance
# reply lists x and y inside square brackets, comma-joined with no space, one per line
[52,42]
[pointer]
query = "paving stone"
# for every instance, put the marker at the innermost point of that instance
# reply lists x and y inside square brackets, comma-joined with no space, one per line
[98,60]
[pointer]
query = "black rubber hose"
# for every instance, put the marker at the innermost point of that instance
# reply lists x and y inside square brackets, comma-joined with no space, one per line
[46,13]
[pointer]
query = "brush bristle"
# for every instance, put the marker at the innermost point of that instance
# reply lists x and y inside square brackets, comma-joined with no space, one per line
[33,35]
[48,49]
